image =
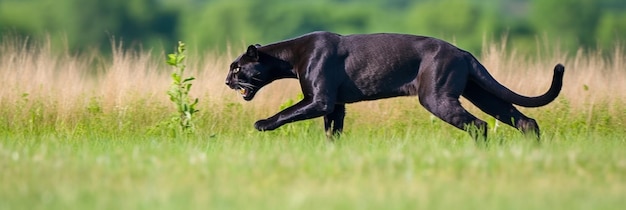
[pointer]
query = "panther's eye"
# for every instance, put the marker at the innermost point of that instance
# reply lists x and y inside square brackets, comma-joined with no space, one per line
[236,70]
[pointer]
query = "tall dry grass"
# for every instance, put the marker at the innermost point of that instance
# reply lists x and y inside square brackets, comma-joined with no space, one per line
[590,77]
[63,83]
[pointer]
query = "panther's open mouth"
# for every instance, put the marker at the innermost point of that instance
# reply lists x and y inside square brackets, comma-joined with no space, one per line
[247,94]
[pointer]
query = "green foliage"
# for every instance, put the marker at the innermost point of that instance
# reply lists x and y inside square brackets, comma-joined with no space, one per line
[179,91]
[468,26]
[611,27]
[218,24]
[82,25]
[558,17]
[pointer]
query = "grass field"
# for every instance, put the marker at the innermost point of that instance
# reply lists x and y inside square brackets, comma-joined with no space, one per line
[86,132]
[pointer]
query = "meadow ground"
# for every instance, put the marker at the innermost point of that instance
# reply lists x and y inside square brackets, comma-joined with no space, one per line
[87,132]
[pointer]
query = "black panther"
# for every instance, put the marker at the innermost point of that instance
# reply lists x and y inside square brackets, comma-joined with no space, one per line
[334,70]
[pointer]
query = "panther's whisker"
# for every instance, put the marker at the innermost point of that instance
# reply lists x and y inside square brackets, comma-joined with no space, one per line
[247,85]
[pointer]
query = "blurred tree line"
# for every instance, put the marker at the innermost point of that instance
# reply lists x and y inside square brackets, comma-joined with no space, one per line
[214,25]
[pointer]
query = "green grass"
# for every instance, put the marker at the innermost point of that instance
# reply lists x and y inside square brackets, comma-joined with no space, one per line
[84,133]
[396,164]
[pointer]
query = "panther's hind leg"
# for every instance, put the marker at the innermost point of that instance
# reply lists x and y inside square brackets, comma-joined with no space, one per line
[501,110]
[449,109]
[333,122]
[441,83]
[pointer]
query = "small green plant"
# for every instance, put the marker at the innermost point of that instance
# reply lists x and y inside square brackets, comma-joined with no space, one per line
[295,127]
[179,91]
[291,102]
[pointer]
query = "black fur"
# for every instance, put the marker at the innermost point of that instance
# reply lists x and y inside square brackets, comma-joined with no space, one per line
[334,70]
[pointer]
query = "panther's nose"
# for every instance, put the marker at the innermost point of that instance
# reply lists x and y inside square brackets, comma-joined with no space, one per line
[227,82]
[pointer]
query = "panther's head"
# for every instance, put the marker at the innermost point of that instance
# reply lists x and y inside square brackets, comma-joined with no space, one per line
[248,73]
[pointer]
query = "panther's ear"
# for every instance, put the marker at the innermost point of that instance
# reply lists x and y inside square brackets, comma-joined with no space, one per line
[252,52]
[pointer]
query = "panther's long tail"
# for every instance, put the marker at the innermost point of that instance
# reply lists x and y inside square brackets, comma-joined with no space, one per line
[487,82]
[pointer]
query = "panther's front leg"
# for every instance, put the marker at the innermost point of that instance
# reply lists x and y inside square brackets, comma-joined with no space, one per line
[319,97]
[305,109]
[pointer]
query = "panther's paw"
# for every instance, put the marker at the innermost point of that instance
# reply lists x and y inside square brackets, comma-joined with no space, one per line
[264,125]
